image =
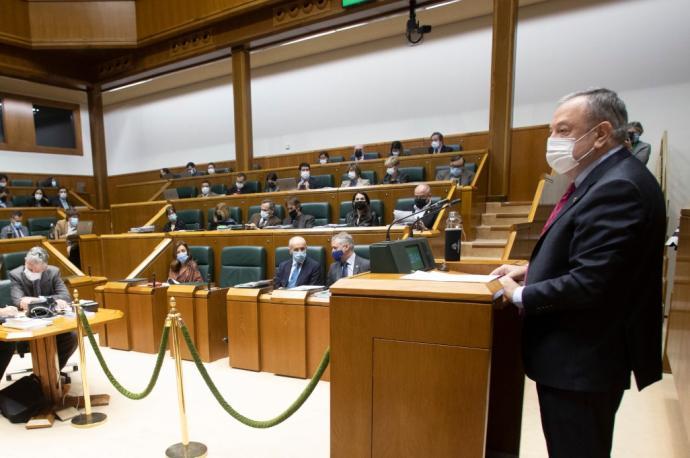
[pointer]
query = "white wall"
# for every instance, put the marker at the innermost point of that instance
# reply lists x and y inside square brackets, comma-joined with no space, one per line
[24,162]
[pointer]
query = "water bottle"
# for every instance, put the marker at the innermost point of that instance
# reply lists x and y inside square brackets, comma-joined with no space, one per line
[453,236]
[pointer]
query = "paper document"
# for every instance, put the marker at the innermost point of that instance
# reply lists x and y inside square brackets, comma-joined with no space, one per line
[404,216]
[307,288]
[26,323]
[443,276]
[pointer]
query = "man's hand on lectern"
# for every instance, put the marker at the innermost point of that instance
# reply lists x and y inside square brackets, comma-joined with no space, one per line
[509,287]
[517,273]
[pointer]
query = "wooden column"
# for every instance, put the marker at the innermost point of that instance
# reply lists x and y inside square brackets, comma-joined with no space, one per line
[242,91]
[100,164]
[501,105]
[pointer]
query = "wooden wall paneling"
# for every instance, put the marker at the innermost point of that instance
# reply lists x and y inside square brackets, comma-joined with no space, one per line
[318,335]
[14,23]
[242,101]
[81,24]
[91,255]
[139,192]
[41,66]
[18,123]
[126,216]
[100,162]
[100,218]
[148,308]
[122,253]
[528,162]
[119,332]
[283,333]
[243,327]
[156,263]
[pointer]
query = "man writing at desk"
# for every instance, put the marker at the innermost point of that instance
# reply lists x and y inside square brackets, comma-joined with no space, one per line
[300,270]
[35,281]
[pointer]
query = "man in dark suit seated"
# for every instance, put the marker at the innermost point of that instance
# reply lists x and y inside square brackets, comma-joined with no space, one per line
[15,229]
[239,186]
[457,172]
[266,216]
[422,200]
[592,302]
[437,145]
[192,170]
[295,217]
[32,282]
[300,270]
[347,263]
[61,200]
[305,180]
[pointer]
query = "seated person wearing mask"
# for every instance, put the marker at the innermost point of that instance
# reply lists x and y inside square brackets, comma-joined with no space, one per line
[305,180]
[183,268]
[639,149]
[354,178]
[66,229]
[15,229]
[393,175]
[239,186]
[295,217]
[266,217]
[358,154]
[173,223]
[32,282]
[271,185]
[347,263]
[40,200]
[396,149]
[50,182]
[300,270]
[211,168]
[361,214]
[324,157]
[206,189]
[437,145]
[422,200]
[61,199]
[457,172]
[5,199]
[192,171]
[221,217]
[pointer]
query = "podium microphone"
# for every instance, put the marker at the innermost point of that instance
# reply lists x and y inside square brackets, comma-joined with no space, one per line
[433,208]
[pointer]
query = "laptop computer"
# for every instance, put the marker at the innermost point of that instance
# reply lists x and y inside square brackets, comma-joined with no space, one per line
[286,184]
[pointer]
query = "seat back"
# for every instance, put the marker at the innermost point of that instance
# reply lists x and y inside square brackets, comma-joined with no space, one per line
[3,223]
[235,213]
[321,212]
[203,255]
[251,186]
[471,166]
[371,155]
[441,168]
[21,182]
[5,296]
[346,207]
[191,218]
[41,226]
[362,250]
[11,261]
[240,264]
[317,253]
[407,203]
[413,173]
[224,170]
[22,201]
[280,211]
[336,159]
[455,147]
[219,188]
[324,181]
[186,192]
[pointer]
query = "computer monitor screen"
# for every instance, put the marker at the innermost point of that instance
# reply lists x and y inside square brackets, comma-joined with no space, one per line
[415,257]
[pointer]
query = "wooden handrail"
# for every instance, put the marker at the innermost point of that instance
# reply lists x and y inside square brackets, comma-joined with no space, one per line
[150,258]
[165,186]
[442,213]
[78,198]
[535,200]
[158,215]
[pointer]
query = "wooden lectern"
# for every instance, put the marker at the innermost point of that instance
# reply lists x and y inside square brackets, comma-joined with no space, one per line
[423,369]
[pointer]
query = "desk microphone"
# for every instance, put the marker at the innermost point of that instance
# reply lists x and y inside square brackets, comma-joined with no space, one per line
[433,208]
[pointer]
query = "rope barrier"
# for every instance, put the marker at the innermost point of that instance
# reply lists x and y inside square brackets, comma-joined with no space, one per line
[308,390]
[156,370]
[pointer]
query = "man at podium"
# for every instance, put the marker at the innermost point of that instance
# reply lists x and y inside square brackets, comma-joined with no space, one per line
[591,301]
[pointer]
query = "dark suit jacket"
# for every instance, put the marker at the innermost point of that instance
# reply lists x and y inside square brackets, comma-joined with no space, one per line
[235,190]
[335,270]
[444,149]
[309,275]
[169,227]
[49,285]
[55,202]
[8,232]
[42,203]
[371,219]
[312,183]
[301,222]
[642,150]
[402,178]
[593,305]
[256,217]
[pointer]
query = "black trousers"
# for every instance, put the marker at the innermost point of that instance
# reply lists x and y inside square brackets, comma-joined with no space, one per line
[578,423]
[66,345]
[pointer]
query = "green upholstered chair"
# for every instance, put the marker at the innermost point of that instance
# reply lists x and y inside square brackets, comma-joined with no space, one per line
[366,174]
[240,264]
[406,203]
[280,211]
[22,201]
[321,212]
[21,182]
[414,173]
[186,192]
[407,152]
[455,147]
[41,226]
[235,213]
[219,188]
[251,186]
[191,218]
[471,166]
[3,223]
[346,207]
[336,159]
[371,155]
[317,253]
[362,250]
[224,170]
[324,181]
[203,255]
[5,296]
[11,261]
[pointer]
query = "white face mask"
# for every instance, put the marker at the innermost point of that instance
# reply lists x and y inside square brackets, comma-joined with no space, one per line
[323,160]
[351,175]
[390,170]
[305,174]
[395,153]
[559,153]
[32,276]
[435,144]
[211,170]
[239,184]
[205,189]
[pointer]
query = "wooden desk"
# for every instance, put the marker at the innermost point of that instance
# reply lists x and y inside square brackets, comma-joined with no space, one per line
[44,351]
[411,365]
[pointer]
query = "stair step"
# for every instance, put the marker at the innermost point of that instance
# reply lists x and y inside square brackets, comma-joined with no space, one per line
[508,207]
[484,248]
[492,219]
[498,231]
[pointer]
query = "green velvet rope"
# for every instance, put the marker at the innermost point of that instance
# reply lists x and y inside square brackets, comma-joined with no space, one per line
[156,370]
[235,414]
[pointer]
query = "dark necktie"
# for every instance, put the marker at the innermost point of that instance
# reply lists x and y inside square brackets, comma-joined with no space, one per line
[343,272]
[559,206]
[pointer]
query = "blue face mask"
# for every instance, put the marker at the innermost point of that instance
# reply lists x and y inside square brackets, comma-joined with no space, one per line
[182,257]
[337,255]
[172,217]
[73,221]
[17,224]
[299,256]
[456,171]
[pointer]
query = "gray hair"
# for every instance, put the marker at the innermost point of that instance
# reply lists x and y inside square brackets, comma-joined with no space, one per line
[37,255]
[344,238]
[604,105]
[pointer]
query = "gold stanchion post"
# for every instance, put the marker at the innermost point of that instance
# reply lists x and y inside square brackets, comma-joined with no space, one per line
[184,449]
[88,419]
